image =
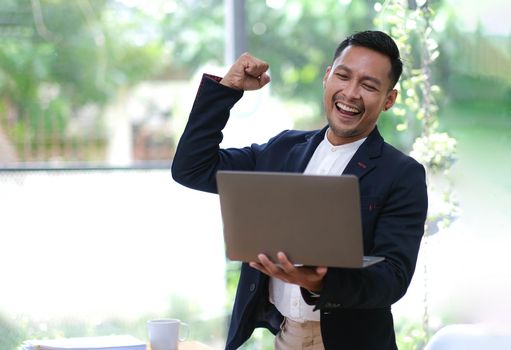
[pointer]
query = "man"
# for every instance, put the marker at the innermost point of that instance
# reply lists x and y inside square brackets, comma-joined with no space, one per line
[321,307]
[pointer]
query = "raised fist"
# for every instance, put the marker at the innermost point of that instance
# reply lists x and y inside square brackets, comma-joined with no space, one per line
[247,73]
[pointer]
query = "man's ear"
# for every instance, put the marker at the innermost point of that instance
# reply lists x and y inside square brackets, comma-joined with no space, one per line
[391,99]
[327,74]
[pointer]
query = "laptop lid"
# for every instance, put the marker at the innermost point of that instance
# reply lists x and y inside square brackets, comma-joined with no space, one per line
[314,219]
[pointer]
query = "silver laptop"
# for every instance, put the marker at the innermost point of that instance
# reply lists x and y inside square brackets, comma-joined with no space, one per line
[314,219]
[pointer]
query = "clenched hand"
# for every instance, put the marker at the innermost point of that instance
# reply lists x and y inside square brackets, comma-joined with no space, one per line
[247,73]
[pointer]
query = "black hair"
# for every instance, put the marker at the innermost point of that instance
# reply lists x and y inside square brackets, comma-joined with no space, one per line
[377,41]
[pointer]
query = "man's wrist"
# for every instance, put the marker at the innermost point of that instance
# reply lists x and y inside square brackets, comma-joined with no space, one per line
[228,84]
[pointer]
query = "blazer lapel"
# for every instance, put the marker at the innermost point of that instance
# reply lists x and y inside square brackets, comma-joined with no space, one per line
[361,163]
[301,153]
[363,160]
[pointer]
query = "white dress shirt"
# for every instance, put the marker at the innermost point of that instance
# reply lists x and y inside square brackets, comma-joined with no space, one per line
[326,160]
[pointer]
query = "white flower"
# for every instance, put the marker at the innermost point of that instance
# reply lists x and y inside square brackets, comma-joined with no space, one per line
[436,151]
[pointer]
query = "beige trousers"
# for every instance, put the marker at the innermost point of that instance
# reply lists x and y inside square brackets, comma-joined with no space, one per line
[299,336]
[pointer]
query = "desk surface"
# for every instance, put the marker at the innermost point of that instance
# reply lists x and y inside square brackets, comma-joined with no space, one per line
[190,345]
[193,345]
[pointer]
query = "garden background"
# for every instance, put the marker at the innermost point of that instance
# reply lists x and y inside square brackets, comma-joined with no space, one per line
[95,238]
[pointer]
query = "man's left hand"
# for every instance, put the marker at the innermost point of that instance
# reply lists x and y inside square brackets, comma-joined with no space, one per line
[310,278]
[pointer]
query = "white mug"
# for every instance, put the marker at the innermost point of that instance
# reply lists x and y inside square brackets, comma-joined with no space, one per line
[164,333]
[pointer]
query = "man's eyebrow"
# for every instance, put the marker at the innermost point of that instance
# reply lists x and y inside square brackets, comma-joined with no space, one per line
[364,77]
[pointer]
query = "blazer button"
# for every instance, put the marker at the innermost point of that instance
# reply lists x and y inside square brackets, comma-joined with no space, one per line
[252,287]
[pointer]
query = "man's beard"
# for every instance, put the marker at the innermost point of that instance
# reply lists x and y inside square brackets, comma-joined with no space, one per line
[342,133]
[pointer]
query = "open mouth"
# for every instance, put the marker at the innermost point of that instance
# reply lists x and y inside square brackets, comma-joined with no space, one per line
[347,110]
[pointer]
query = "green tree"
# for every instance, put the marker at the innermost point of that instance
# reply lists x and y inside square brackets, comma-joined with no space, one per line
[416,111]
[57,57]
[11,335]
[297,39]
[193,34]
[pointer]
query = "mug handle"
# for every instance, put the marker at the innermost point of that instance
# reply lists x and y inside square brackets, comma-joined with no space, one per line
[187,333]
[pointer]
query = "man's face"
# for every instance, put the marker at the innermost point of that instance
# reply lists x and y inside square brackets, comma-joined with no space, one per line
[357,87]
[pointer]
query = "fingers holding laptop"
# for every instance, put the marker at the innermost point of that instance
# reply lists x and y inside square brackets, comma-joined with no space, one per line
[308,277]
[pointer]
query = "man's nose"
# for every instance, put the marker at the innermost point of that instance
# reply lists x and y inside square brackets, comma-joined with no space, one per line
[351,90]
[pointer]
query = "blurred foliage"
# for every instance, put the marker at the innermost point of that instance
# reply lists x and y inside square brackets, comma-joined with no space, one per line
[59,57]
[417,105]
[298,40]
[193,34]
[13,331]
[11,334]
[410,335]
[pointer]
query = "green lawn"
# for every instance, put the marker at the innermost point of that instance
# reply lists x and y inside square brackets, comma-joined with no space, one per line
[482,184]
[482,173]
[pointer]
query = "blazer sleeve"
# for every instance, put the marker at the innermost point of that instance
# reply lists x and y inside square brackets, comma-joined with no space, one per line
[397,235]
[198,155]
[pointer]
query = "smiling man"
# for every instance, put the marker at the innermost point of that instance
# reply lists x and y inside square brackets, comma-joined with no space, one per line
[321,307]
[358,86]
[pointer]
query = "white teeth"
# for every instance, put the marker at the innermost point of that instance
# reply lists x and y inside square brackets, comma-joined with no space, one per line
[346,108]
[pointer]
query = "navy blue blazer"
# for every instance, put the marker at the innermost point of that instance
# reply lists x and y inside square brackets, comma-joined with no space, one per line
[354,303]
